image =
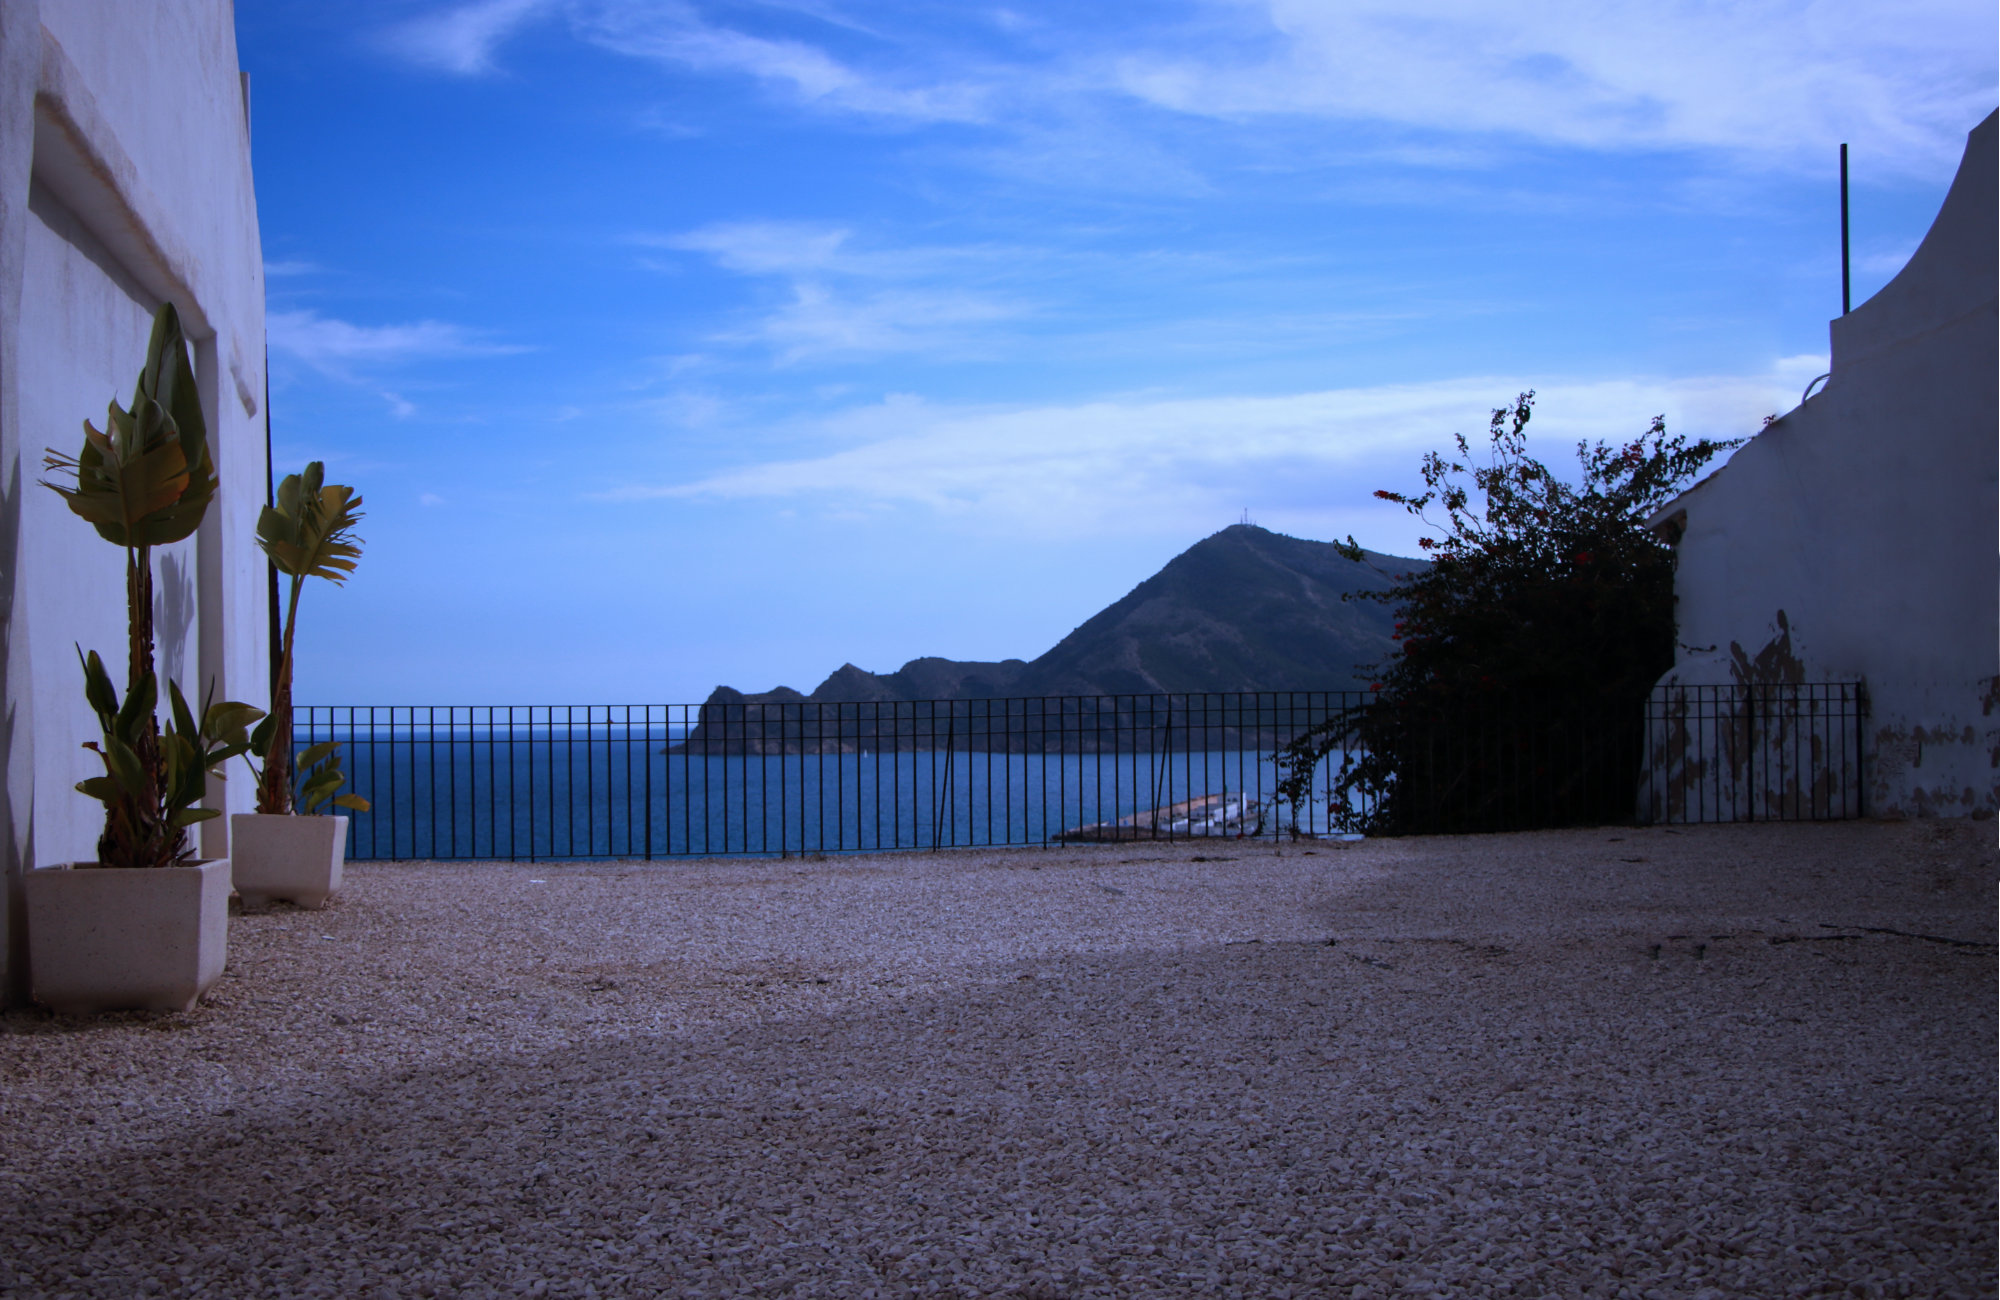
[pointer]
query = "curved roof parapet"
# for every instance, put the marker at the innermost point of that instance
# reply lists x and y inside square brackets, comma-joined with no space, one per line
[1950,274]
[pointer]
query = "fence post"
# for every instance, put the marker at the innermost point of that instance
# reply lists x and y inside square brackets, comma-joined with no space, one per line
[1861,749]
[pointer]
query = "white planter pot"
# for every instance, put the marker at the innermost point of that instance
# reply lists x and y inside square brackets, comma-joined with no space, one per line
[126,938]
[297,859]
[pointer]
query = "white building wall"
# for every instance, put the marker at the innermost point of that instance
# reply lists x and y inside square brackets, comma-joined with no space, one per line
[124,182]
[1856,536]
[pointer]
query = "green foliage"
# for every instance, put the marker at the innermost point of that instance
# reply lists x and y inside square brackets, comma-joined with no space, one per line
[148,811]
[308,533]
[146,479]
[320,777]
[1544,618]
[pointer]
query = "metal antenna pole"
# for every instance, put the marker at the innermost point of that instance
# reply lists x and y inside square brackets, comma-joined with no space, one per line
[1846,280]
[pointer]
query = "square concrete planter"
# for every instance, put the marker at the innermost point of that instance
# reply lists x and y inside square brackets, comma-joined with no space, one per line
[297,859]
[126,938]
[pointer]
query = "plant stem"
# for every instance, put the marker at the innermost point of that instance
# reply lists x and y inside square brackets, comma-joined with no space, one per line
[275,796]
[151,842]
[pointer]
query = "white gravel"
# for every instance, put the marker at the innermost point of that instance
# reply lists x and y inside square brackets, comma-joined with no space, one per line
[1713,1061]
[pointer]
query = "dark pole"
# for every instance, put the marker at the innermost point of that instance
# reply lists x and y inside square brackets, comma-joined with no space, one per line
[271,498]
[1846,282]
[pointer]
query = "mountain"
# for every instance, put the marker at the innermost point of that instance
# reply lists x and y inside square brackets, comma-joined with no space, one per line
[1242,610]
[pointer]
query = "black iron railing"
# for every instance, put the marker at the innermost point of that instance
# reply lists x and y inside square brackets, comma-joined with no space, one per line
[648,781]
[736,777]
[1761,751]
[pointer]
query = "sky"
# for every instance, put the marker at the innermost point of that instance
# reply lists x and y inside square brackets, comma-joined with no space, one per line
[674,344]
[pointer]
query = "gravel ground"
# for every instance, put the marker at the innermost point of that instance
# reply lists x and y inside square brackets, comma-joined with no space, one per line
[1711,1061]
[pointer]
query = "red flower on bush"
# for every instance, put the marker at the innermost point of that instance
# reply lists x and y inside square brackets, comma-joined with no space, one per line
[1583,557]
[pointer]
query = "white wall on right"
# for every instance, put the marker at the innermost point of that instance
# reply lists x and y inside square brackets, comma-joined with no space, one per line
[1855,537]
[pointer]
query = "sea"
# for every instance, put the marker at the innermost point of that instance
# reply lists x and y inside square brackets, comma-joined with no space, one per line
[636,793]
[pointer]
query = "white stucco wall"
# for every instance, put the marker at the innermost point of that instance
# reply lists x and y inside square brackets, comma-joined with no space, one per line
[1856,536]
[124,182]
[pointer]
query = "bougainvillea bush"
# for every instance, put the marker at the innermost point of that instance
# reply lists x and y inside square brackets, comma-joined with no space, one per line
[1526,648]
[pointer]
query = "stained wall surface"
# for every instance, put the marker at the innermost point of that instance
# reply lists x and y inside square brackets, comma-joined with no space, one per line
[1855,538]
[125,182]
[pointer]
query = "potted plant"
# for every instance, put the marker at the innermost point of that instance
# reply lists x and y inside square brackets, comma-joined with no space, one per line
[147,924]
[277,853]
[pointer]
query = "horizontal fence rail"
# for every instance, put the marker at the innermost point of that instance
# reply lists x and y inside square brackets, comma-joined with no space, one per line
[1756,751]
[725,778]
[743,778]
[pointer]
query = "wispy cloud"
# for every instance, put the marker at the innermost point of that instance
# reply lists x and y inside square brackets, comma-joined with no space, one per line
[820,321]
[1749,79]
[761,247]
[842,299]
[337,347]
[1764,81]
[677,34]
[1153,466]
[463,38]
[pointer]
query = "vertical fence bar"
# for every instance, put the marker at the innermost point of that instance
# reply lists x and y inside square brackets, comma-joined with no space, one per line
[389,746]
[1860,749]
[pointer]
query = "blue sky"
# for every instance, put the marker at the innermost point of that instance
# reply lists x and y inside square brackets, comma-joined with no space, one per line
[678,343]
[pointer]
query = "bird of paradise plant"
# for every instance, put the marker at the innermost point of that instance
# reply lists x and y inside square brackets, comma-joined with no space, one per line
[146,480]
[309,533]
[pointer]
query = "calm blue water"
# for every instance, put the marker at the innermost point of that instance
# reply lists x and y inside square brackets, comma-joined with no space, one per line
[444,794]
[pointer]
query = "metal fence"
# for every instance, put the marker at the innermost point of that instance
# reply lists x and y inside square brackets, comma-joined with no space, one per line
[1763,751]
[737,777]
[649,781]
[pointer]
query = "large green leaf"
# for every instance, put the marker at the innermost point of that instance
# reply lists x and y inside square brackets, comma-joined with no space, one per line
[322,778]
[260,739]
[123,764]
[229,718]
[100,787]
[220,754]
[183,720]
[319,788]
[316,753]
[97,688]
[140,701]
[181,769]
[169,379]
